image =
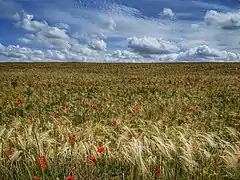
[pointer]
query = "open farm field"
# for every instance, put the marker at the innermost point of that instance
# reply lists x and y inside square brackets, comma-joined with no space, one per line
[119,121]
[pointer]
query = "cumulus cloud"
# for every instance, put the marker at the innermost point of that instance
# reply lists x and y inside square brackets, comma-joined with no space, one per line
[124,54]
[199,53]
[76,53]
[83,53]
[62,26]
[204,52]
[26,22]
[102,37]
[151,45]
[99,45]
[54,32]
[227,20]
[167,12]
[43,33]
[16,52]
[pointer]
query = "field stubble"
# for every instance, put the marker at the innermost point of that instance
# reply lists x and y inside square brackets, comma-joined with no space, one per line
[119,121]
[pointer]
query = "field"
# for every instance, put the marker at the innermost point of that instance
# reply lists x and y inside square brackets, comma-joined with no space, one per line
[119,121]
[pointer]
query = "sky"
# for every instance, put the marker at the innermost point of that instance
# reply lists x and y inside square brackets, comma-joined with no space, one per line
[119,30]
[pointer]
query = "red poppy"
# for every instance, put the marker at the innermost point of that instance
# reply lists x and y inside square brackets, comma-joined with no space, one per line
[114,123]
[42,157]
[70,178]
[187,107]
[94,107]
[55,116]
[73,137]
[30,118]
[100,149]
[238,160]
[136,108]
[43,164]
[63,107]
[92,159]
[19,102]
[10,152]
[108,98]
[139,135]
[36,178]
[158,171]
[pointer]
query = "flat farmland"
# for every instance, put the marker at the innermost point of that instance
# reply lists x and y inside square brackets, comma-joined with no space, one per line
[119,121]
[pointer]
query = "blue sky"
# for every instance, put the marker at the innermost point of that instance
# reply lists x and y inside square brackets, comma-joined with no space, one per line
[119,30]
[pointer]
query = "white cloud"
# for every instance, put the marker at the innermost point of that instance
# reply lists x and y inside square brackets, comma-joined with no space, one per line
[16,17]
[167,12]
[44,34]
[227,20]
[62,26]
[204,52]
[104,35]
[24,40]
[111,24]
[200,53]
[26,22]
[99,45]
[125,55]
[54,33]
[131,23]
[89,35]
[82,53]
[151,45]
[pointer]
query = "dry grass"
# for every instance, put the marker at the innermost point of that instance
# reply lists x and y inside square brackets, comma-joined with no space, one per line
[182,119]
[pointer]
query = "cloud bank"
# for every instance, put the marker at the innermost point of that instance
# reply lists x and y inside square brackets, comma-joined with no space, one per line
[120,33]
[227,20]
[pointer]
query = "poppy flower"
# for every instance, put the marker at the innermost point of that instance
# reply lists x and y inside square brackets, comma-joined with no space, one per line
[30,118]
[55,116]
[43,164]
[100,149]
[139,135]
[10,152]
[42,157]
[19,102]
[63,107]
[158,171]
[36,178]
[70,178]
[108,98]
[114,123]
[94,107]
[73,137]
[92,159]
[187,107]
[136,108]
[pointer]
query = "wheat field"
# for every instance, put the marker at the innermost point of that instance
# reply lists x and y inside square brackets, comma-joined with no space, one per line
[119,121]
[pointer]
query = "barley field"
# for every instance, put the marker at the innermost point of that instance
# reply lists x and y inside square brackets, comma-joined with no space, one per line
[88,121]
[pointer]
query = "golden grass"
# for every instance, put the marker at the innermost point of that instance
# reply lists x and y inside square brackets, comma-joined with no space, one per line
[180,118]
